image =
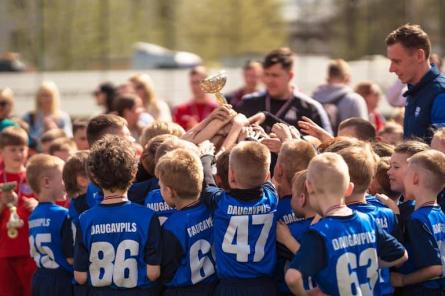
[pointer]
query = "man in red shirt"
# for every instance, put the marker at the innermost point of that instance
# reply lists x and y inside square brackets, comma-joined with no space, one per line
[16,265]
[190,114]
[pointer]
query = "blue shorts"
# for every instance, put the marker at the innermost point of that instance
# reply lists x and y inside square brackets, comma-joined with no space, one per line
[52,282]
[107,291]
[247,287]
[196,290]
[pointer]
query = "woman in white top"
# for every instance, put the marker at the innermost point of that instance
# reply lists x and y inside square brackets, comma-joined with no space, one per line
[156,107]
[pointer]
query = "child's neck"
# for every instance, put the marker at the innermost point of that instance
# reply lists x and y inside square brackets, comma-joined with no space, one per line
[112,197]
[423,197]
[284,189]
[45,197]
[356,198]
[333,206]
[14,169]
[183,203]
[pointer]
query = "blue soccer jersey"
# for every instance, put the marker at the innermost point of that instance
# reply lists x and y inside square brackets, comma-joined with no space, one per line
[387,220]
[115,243]
[48,224]
[187,240]
[138,191]
[297,227]
[244,231]
[342,253]
[425,242]
[157,204]
[94,194]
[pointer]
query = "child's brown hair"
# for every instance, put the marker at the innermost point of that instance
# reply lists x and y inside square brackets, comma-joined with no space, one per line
[361,164]
[172,144]
[62,144]
[52,135]
[39,166]
[250,162]
[432,162]
[159,128]
[411,147]
[148,156]
[112,163]
[295,156]
[13,136]
[182,171]
[382,149]
[222,169]
[103,124]
[75,166]
[381,176]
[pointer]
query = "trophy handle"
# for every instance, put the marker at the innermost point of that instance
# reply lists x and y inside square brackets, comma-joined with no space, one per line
[220,98]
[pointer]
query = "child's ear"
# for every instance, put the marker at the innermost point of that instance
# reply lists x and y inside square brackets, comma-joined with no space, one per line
[349,189]
[45,182]
[278,172]
[303,198]
[416,178]
[309,187]
[232,178]
[267,177]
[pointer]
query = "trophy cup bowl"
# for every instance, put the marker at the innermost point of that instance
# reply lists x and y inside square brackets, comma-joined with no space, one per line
[213,85]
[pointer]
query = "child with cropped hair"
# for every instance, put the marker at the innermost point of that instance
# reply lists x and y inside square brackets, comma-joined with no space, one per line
[50,235]
[188,266]
[326,254]
[425,228]
[117,247]
[244,224]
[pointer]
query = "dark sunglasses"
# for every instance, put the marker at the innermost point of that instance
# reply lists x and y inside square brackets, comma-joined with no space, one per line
[4,104]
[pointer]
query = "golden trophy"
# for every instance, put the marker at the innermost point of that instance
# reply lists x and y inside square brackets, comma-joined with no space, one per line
[14,222]
[213,85]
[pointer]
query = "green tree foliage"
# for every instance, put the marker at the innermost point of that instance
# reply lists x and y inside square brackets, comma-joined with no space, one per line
[87,34]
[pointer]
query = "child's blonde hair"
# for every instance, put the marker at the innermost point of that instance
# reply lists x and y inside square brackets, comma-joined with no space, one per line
[182,171]
[329,174]
[250,161]
[40,166]
[158,128]
[295,156]
[432,162]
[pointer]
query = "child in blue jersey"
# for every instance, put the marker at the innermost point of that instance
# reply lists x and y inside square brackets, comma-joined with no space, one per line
[97,128]
[117,249]
[188,266]
[343,251]
[425,242]
[138,191]
[50,236]
[289,234]
[76,182]
[361,164]
[244,224]
[293,157]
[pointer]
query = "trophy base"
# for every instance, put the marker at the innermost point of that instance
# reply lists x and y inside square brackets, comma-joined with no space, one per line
[13,233]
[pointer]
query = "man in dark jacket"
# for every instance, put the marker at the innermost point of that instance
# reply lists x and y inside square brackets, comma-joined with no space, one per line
[408,48]
[281,101]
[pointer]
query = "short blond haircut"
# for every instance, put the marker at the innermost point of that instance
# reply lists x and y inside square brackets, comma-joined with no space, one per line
[157,128]
[432,163]
[250,161]
[40,166]
[62,144]
[362,166]
[182,171]
[328,174]
[295,156]
[172,144]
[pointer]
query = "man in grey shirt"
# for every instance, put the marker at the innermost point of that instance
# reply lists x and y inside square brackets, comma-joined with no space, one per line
[339,100]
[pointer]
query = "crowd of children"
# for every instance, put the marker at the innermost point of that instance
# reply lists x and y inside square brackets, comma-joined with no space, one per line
[222,209]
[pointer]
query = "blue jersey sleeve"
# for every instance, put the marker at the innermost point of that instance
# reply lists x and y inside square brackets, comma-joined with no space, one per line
[311,258]
[66,233]
[81,256]
[388,248]
[138,192]
[152,250]
[211,195]
[438,111]
[424,251]
[171,256]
